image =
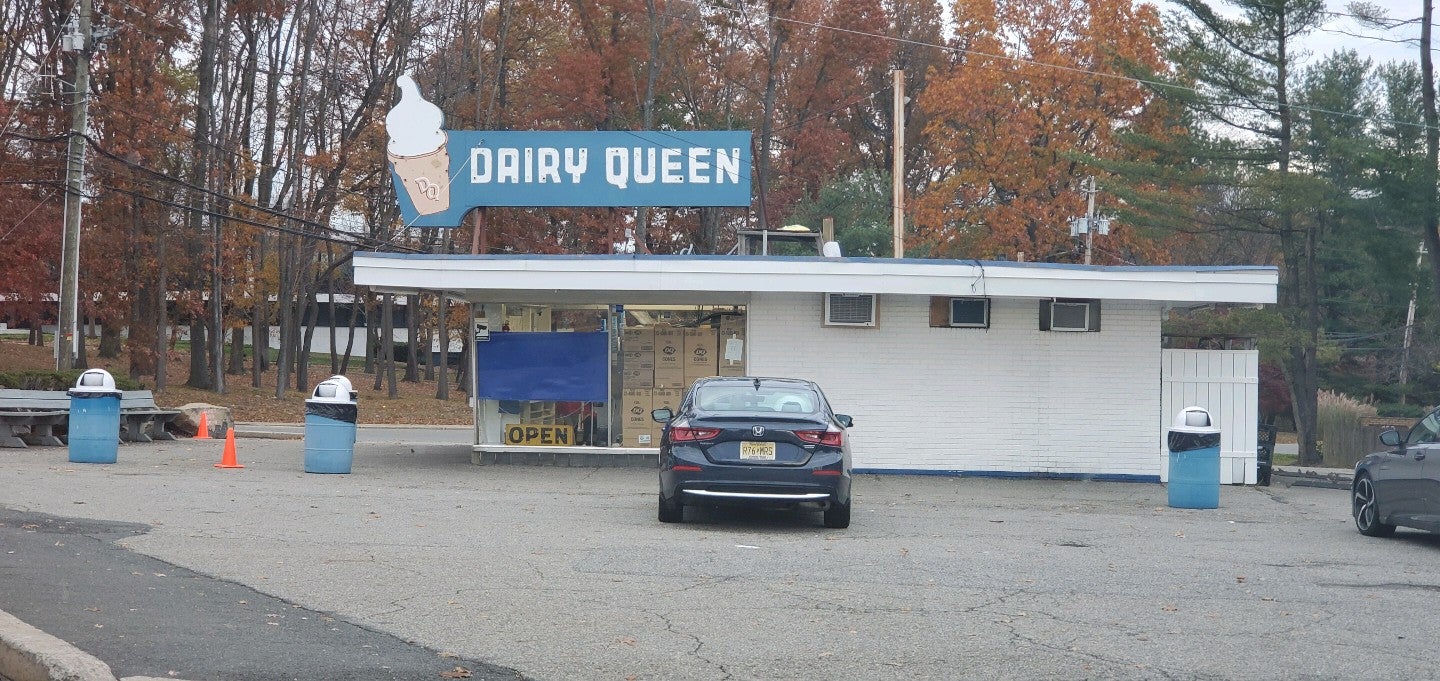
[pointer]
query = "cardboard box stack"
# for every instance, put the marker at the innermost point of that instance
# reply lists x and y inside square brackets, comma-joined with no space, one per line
[661,362]
[669,357]
[700,353]
[639,429]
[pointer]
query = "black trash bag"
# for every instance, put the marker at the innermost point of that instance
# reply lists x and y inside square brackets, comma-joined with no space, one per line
[1181,441]
[335,411]
[90,395]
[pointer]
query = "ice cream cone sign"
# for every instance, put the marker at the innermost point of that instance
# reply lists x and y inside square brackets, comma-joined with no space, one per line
[417,149]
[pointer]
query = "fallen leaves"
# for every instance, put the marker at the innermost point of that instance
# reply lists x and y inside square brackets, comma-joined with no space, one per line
[456,673]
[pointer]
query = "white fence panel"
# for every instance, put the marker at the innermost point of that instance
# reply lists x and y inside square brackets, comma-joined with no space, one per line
[1227,384]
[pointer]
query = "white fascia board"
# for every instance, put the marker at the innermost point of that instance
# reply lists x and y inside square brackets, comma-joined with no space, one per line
[727,280]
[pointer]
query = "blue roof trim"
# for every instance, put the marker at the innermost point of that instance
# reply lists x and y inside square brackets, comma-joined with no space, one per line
[806,258]
[1091,477]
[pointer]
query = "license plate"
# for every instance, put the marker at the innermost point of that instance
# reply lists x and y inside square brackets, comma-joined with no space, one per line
[757,451]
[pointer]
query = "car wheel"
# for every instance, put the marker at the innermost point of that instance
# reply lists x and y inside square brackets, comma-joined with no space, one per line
[838,515]
[671,511]
[1365,509]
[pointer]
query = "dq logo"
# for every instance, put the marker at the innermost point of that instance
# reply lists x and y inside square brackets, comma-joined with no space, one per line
[429,189]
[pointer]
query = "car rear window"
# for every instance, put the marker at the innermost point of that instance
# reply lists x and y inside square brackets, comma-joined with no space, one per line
[744,398]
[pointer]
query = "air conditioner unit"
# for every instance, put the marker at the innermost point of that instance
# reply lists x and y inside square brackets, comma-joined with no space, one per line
[1070,316]
[850,309]
[970,312]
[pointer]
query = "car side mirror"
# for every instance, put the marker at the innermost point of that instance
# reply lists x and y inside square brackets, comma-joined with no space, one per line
[845,420]
[1390,438]
[662,415]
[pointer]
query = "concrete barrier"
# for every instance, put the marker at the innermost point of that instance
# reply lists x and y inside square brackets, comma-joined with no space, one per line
[28,654]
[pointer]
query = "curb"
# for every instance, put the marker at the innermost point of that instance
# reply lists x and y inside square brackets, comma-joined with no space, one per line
[28,654]
[268,435]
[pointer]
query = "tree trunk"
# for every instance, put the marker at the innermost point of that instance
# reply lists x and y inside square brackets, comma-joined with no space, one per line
[350,335]
[284,306]
[237,351]
[200,375]
[388,323]
[412,330]
[442,386]
[372,336]
[334,347]
[162,312]
[1431,213]
[309,319]
[110,345]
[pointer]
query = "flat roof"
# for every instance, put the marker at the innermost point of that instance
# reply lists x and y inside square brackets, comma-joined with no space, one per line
[729,280]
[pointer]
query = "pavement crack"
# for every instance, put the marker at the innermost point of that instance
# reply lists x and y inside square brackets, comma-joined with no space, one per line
[699,644]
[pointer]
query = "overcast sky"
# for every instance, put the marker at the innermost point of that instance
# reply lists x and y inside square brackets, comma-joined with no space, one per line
[1343,32]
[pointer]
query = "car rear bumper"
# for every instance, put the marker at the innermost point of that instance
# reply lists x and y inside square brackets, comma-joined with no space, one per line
[760,496]
[744,486]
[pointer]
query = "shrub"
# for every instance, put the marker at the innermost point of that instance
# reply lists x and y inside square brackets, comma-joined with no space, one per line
[56,380]
[1338,426]
[1407,411]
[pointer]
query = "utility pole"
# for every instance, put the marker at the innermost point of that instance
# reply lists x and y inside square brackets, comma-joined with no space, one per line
[1410,324]
[1090,224]
[1089,216]
[67,333]
[898,169]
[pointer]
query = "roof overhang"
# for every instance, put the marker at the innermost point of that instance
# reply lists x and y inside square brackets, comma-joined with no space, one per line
[730,280]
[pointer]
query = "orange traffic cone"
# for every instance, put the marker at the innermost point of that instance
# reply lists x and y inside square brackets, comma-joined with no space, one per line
[202,431]
[227,460]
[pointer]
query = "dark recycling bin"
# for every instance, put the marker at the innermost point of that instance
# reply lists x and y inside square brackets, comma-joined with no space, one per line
[1194,445]
[330,416]
[1264,455]
[94,422]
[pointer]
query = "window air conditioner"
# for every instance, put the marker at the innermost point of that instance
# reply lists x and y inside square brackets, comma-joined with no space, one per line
[850,309]
[1066,316]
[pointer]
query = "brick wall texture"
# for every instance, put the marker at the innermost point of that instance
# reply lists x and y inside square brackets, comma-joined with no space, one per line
[1007,399]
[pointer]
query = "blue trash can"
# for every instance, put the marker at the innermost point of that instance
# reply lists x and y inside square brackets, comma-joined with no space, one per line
[330,416]
[94,422]
[1194,446]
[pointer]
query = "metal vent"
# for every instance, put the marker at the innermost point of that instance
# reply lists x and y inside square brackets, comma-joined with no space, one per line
[850,309]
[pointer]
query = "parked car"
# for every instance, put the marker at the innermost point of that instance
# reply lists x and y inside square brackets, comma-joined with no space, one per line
[767,442]
[1400,486]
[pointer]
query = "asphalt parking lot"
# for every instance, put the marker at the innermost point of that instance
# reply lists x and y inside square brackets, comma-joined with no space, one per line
[565,573]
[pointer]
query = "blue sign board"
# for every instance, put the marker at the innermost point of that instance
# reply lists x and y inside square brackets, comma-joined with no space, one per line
[473,168]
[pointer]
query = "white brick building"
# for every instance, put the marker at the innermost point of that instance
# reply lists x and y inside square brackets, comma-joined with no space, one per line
[1077,394]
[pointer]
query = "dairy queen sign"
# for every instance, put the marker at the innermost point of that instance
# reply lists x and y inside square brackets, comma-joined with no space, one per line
[441,174]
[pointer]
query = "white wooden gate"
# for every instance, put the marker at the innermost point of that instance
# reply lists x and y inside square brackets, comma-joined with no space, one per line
[1227,384]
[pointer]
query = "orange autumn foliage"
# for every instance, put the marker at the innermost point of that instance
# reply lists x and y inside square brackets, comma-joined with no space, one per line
[1034,88]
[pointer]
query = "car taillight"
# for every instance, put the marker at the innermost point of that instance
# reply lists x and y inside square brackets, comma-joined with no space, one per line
[829,438]
[686,434]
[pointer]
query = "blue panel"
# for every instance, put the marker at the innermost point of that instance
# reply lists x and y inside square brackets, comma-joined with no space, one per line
[543,366]
[579,169]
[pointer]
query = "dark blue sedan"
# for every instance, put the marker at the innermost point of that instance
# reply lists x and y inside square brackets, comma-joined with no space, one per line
[767,442]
